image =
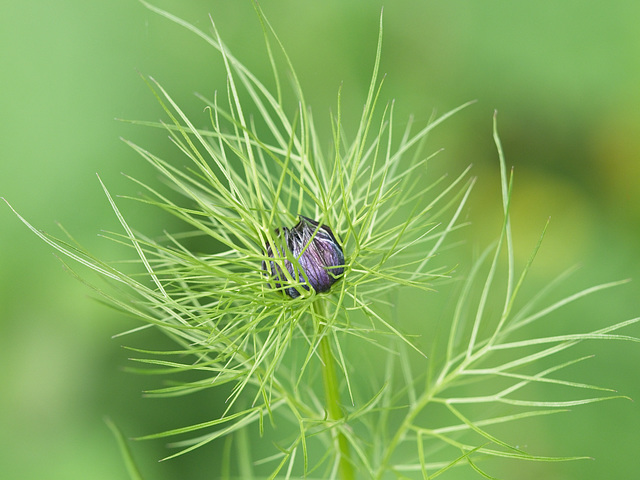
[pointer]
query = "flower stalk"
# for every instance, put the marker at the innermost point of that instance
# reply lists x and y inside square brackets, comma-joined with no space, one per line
[332,395]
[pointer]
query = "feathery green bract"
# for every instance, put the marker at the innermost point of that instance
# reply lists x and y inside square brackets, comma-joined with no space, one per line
[253,169]
[132,469]
[471,364]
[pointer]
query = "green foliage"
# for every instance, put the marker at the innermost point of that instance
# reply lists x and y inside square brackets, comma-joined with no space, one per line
[132,468]
[254,169]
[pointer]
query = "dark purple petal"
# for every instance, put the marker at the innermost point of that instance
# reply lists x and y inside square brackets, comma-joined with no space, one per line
[320,257]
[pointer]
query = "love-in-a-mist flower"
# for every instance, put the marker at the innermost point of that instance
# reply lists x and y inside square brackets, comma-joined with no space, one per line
[245,340]
[320,259]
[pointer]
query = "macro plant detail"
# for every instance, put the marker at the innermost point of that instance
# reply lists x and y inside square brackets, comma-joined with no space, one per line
[279,319]
[317,257]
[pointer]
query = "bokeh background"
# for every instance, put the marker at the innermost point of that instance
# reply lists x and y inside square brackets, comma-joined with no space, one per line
[564,76]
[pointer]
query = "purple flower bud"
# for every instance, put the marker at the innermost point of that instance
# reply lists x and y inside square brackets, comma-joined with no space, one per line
[320,257]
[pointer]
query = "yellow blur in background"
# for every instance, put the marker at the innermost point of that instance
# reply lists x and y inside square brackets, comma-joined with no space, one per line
[564,77]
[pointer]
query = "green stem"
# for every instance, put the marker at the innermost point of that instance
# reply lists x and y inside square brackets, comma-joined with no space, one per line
[332,398]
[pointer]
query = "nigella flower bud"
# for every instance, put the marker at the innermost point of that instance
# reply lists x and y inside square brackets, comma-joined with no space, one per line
[319,255]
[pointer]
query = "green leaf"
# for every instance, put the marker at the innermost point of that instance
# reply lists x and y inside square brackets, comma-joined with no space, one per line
[125,451]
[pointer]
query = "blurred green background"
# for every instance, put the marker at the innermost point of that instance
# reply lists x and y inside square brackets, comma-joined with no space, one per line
[564,76]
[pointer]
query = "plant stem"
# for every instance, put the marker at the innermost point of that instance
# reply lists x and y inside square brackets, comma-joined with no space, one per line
[332,398]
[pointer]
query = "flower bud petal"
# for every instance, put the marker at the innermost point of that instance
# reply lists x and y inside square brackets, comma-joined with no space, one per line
[320,257]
